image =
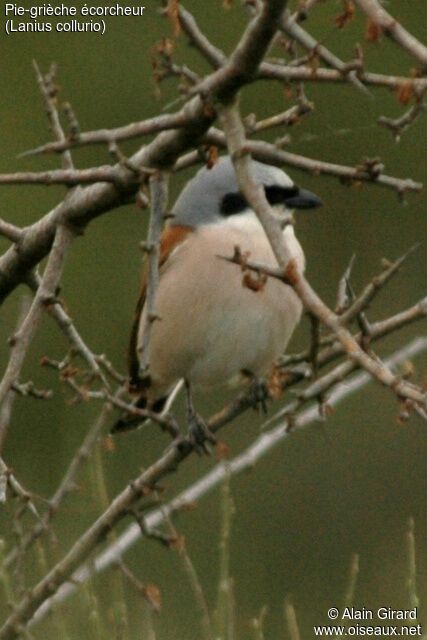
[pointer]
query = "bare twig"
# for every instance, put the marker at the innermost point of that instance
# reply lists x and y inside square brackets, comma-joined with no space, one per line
[106,136]
[149,592]
[413,598]
[18,489]
[189,25]
[68,177]
[398,125]
[5,416]
[392,28]
[287,118]
[6,407]
[270,154]
[224,613]
[348,313]
[28,389]
[265,152]
[64,321]
[44,296]
[262,151]
[378,330]
[289,25]
[291,619]
[49,92]
[342,294]
[371,290]
[166,422]
[271,71]
[159,197]
[353,575]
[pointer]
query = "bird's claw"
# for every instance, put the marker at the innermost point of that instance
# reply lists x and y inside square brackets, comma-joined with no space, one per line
[259,394]
[200,436]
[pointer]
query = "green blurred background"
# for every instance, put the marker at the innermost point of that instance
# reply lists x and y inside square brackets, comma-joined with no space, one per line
[345,486]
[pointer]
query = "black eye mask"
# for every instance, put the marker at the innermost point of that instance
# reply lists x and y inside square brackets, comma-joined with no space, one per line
[292,197]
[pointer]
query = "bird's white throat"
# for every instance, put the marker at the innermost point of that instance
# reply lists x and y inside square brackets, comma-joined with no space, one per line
[248,224]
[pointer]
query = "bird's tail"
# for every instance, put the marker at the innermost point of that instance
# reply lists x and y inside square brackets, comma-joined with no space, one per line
[129,421]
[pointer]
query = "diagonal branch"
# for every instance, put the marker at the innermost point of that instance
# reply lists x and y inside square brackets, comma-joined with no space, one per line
[291,275]
[86,204]
[18,489]
[49,92]
[190,27]
[105,136]
[57,311]
[10,231]
[394,29]
[45,294]
[372,288]
[69,177]
[271,71]
[289,25]
[245,461]
[270,154]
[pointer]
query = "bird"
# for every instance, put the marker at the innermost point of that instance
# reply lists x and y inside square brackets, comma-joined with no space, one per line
[212,330]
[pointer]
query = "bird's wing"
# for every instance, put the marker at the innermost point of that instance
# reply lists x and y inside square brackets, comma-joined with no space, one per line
[171,238]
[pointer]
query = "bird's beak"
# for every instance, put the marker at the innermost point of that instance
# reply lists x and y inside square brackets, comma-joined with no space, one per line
[303,199]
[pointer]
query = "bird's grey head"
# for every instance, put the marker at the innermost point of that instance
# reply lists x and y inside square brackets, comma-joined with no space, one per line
[213,194]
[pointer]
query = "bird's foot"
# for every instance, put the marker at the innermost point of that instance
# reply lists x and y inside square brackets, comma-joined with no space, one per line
[259,394]
[200,436]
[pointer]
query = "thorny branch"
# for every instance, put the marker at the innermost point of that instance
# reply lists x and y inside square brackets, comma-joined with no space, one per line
[291,275]
[392,28]
[181,119]
[49,91]
[366,172]
[45,295]
[83,206]
[245,461]
[159,195]
[169,461]
[65,323]
[262,151]
[178,144]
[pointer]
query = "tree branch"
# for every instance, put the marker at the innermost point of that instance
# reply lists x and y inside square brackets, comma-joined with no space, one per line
[159,197]
[85,205]
[269,153]
[291,275]
[44,296]
[394,29]
[245,461]
[106,136]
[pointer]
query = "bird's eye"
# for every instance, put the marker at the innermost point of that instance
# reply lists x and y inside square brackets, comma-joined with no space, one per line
[233,203]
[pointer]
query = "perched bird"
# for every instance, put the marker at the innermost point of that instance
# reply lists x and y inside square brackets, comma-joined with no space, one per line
[213,330]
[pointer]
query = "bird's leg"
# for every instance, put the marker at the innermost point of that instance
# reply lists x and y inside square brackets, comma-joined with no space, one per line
[258,391]
[200,434]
